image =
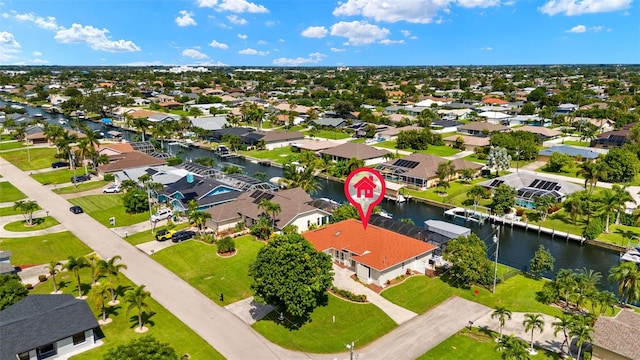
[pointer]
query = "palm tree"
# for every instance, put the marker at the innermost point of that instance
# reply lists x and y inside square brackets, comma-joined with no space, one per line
[53,268]
[608,200]
[354,163]
[136,300]
[572,206]
[582,331]
[476,193]
[96,271]
[75,264]
[199,219]
[622,196]
[503,314]
[587,281]
[111,269]
[271,208]
[141,124]
[513,349]
[627,275]
[563,324]
[607,301]
[27,207]
[52,133]
[100,293]
[63,144]
[567,282]
[531,323]
[592,171]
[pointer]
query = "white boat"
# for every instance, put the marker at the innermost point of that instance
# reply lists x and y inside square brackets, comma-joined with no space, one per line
[401,199]
[385,214]
[62,121]
[632,255]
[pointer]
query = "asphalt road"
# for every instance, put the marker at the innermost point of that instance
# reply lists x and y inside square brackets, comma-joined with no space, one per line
[218,326]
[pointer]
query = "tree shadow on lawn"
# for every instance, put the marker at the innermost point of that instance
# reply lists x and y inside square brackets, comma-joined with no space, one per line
[291,322]
[627,235]
[111,311]
[63,284]
[146,319]
[454,283]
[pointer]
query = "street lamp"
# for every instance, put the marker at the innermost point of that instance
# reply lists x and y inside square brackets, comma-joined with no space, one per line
[518,160]
[496,240]
[350,347]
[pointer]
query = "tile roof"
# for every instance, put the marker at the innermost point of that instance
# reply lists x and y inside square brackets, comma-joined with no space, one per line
[494,101]
[42,319]
[118,147]
[198,188]
[314,145]
[359,151]
[469,140]
[375,247]
[129,160]
[481,125]
[571,151]
[539,130]
[428,165]
[620,335]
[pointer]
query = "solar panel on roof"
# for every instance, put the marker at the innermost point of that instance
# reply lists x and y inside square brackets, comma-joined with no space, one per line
[534,183]
[406,163]
[496,183]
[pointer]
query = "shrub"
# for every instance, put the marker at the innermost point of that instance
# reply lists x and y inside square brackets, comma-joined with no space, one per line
[109,177]
[346,294]
[174,161]
[240,226]
[42,278]
[28,286]
[593,229]
[519,212]
[226,245]
[553,209]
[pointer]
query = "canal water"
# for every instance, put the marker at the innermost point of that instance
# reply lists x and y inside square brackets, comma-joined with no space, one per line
[517,246]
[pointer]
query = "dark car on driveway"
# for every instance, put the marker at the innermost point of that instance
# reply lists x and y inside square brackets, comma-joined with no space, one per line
[76,209]
[79,178]
[182,235]
[59,164]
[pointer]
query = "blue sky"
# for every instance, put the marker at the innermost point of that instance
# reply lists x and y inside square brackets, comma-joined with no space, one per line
[318,32]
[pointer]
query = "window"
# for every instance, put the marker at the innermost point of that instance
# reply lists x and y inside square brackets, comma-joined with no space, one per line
[308,223]
[318,221]
[46,351]
[79,338]
[24,356]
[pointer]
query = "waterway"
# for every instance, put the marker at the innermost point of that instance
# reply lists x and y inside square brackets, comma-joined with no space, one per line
[516,246]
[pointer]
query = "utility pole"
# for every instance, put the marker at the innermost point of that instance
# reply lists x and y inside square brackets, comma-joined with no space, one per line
[350,347]
[496,240]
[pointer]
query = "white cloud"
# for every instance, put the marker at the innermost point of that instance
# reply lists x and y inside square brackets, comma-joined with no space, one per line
[48,23]
[271,23]
[317,32]
[37,53]
[577,29]
[39,61]
[210,63]
[312,59]
[237,20]
[486,48]
[250,51]
[337,49]
[194,54]
[405,33]
[596,28]
[243,36]
[391,42]
[4,15]
[95,38]
[8,47]
[359,32]
[186,19]
[218,45]
[281,40]
[261,42]
[579,7]
[237,6]
[412,11]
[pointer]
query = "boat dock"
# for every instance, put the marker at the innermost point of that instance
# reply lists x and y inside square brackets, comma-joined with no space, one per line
[467,214]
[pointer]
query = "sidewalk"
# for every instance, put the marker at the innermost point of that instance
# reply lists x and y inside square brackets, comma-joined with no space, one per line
[343,280]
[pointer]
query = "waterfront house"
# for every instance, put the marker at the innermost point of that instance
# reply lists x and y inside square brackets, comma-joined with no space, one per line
[162,174]
[616,337]
[210,123]
[47,326]
[335,123]
[375,255]
[420,170]
[313,144]
[272,139]
[573,151]
[346,151]
[218,135]
[206,192]
[295,209]
[128,160]
[160,117]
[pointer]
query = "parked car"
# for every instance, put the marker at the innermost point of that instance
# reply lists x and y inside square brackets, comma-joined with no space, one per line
[164,234]
[59,164]
[113,188]
[76,209]
[162,214]
[182,235]
[80,178]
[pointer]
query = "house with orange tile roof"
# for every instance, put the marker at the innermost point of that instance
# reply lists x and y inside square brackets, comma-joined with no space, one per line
[494,101]
[375,255]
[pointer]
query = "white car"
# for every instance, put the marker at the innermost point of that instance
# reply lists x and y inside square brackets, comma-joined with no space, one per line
[113,188]
[161,215]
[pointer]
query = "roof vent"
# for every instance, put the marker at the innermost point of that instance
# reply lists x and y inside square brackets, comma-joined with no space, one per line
[337,233]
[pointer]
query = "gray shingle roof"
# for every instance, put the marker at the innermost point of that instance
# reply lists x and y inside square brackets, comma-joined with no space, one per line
[359,151]
[620,335]
[42,319]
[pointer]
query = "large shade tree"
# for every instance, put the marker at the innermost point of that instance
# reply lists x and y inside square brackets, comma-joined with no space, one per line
[291,275]
[469,262]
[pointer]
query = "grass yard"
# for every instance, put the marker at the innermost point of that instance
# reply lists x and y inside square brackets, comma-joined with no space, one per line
[12,145]
[327,134]
[102,207]
[146,236]
[38,224]
[10,193]
[438,150]
[421,293]
[278,155]
[576,143]
[41,157]
[199,265]
[82,187]
[456,194]
[619,234]
[41,249]
[162,324]
[478,342]
[362,323]
[474,158]
[61,176]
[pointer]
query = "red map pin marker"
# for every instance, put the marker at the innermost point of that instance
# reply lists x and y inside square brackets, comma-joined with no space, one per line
[364,189]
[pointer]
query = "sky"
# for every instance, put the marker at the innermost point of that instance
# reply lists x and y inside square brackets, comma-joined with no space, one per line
[318,32]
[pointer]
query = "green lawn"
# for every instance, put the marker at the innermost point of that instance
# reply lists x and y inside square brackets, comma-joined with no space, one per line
[576,143]
[421,293]
[619,234]
[9,193]
[82,187]
[474,158]
[146,236]
[60,176]
[41,249]
[456,194]
[478,342]
[102,207]
[361,323]
[278,155]
[162,324]
[199,265]
[328,134]
[40,158]
[438,150]
[12,145]
[38,224]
